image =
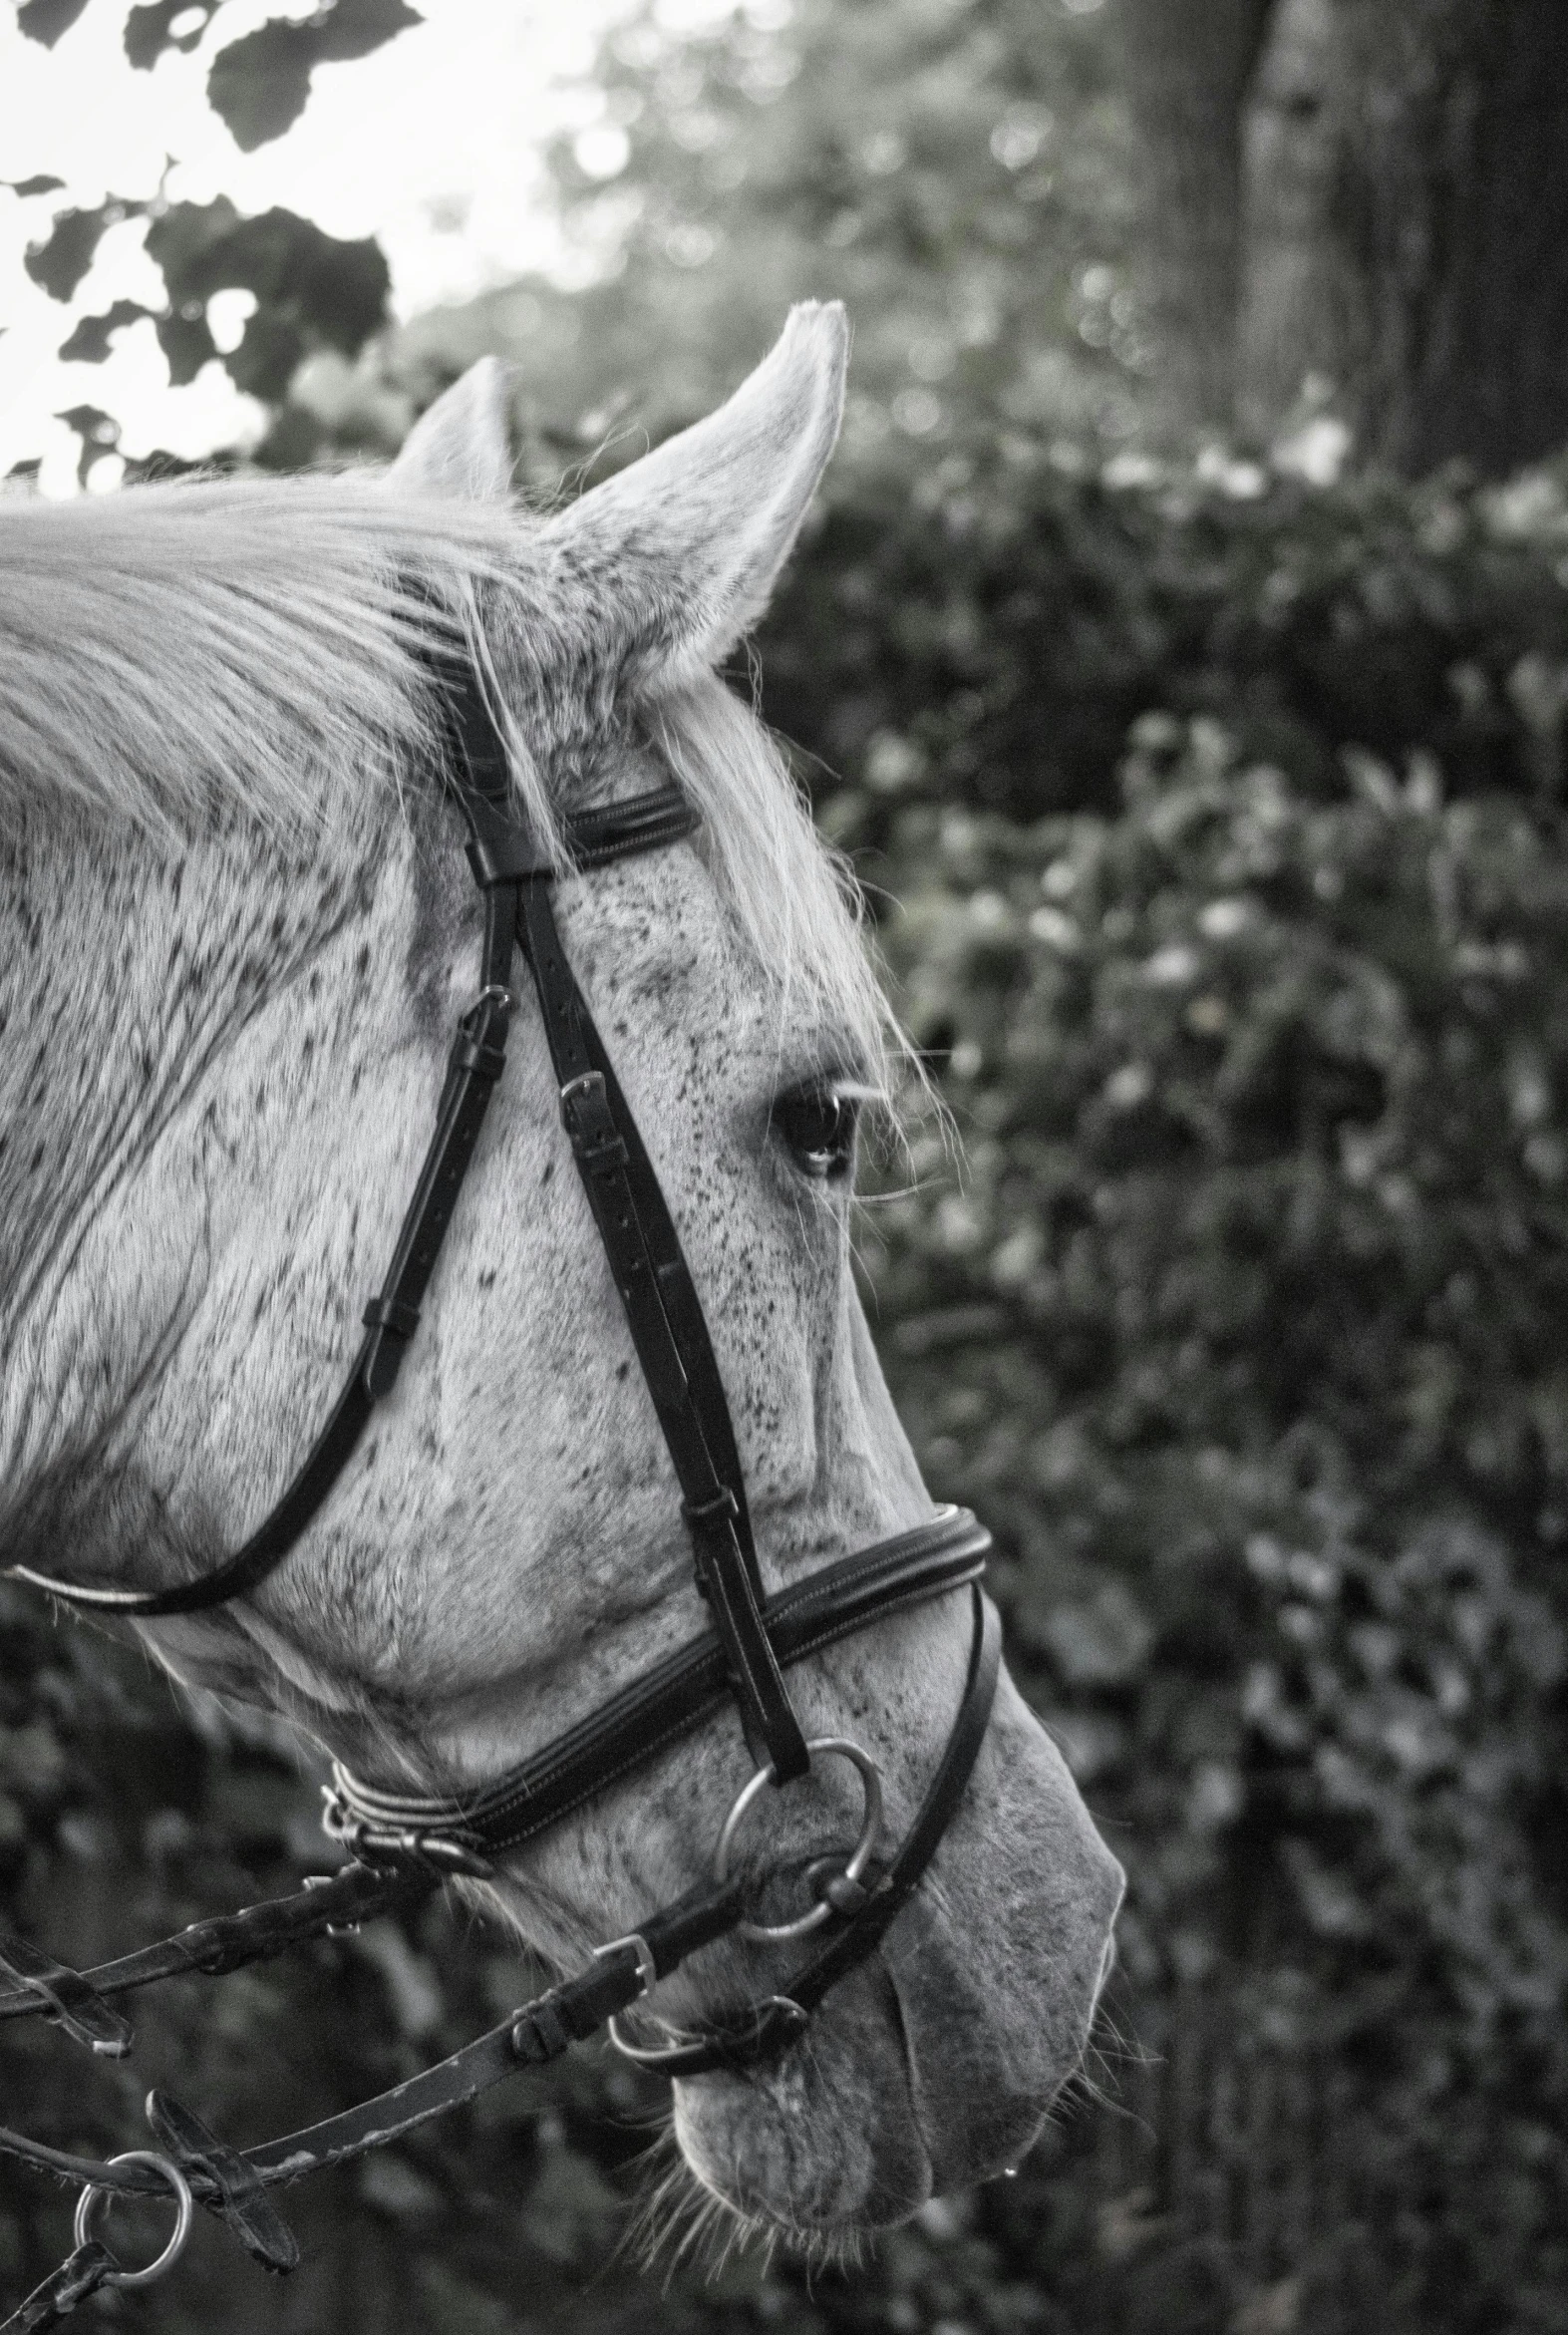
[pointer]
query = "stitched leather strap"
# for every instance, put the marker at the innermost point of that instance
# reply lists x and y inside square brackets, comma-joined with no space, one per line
[538,2032]
[650,1273]
[668,1330]
[542,2029]
[229,1941]
[667,1701]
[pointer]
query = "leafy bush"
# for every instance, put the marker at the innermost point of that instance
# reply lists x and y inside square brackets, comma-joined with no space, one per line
[1225,823]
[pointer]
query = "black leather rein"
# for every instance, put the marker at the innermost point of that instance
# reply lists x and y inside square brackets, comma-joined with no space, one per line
[401,1845]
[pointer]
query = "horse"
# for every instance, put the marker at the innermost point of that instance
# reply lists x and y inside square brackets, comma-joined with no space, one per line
[236,932]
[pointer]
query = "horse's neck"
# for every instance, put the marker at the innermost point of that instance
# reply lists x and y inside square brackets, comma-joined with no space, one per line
[129,979]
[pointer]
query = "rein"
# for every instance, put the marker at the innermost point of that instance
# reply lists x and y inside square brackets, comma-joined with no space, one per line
[404,1846]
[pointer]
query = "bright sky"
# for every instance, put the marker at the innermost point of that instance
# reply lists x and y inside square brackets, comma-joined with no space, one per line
[433,145]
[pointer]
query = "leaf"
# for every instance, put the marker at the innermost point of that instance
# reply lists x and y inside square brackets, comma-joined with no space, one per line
[357,28]
[1102,1642]
[186,343]
[312,290]
[259,85]
[98,431]
[45,20]
[149,30]
[63,257]
[39,183]
[89,343]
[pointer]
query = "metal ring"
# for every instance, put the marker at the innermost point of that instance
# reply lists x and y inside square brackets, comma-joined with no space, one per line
[859,1857]
[647,2055]
[180,2189]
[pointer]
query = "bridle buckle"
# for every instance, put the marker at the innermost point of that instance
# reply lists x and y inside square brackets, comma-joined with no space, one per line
[638,1944]
[589,1121]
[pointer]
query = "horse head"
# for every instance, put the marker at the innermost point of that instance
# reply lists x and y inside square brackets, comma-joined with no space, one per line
[226,1092]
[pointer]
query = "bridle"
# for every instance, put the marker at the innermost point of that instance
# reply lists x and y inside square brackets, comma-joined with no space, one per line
[403,1846]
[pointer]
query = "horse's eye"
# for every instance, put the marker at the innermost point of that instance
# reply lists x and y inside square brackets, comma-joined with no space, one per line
[819,1127]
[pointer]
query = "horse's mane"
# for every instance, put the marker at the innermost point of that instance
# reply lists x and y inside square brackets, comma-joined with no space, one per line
[176,652]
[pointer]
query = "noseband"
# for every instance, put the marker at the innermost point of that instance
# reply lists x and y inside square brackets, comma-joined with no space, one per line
[401,1845]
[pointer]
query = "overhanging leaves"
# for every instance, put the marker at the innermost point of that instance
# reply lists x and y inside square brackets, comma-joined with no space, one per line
[259,85]
[149,30]
[96,432]
[312,290]
[89,343]
[45,20]
[61,260]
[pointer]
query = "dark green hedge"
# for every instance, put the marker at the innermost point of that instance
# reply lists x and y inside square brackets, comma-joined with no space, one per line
[1225,824]
[1225,821]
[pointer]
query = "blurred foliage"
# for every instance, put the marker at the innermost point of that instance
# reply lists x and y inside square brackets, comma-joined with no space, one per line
[957,172]
[258,85]
[1225,817]
[957,169]
[951,173]
[312,293]
[1244,1325]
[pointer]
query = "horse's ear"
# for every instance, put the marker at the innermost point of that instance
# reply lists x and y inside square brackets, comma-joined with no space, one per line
[679,552]
[459,445]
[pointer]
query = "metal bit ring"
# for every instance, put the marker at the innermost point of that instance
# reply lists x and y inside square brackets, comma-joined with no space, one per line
[859,1858]
[91,2200]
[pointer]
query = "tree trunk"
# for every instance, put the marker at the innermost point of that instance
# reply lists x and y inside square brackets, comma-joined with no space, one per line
[1296,304]
[1455,216]
[1406,225]
[1187,64]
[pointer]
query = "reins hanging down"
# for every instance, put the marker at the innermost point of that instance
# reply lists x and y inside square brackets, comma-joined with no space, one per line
[403,1846]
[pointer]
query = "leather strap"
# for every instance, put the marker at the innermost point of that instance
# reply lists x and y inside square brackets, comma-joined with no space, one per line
[70,2001]
[233,2190]
[541,2031]
[668,1330]
[668,1701]
[662,1308]
[546,2028]
[231,1941]
[578,2008]
[81,2274]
